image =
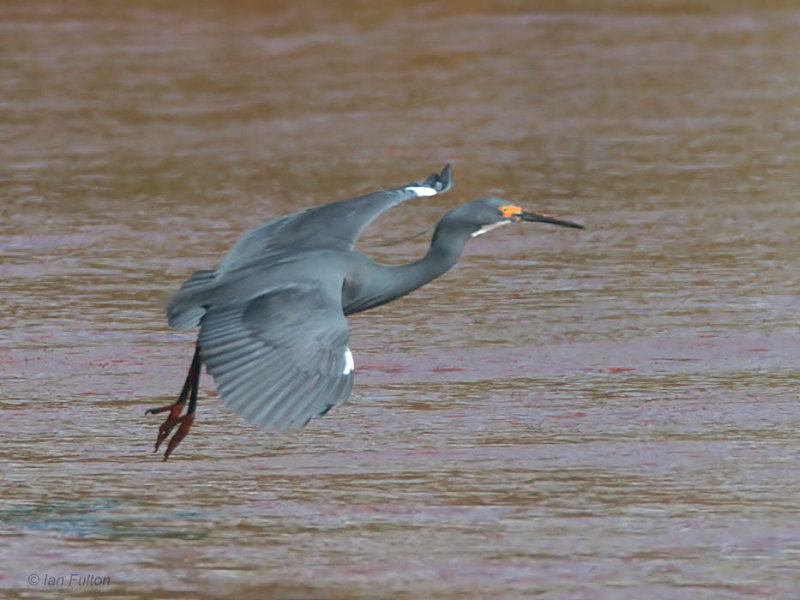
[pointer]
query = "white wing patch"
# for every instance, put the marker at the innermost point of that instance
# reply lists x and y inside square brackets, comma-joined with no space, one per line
[486,228]
[420,190]
[349,363]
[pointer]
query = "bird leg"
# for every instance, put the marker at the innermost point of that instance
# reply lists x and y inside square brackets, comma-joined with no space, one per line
[174,417]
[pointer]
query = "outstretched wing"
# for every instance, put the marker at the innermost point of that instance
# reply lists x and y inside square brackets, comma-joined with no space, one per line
[335,226]
[332,226]
[280,359]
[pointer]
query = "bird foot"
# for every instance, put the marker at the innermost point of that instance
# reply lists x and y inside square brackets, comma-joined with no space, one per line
[169,423]
[186,422]
[173,418]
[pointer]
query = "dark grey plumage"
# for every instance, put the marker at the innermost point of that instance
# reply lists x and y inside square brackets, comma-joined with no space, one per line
[273,331]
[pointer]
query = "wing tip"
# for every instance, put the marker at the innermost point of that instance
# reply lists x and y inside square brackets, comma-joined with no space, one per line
[435,184]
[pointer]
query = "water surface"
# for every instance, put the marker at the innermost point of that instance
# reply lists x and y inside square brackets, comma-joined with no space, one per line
[601,414]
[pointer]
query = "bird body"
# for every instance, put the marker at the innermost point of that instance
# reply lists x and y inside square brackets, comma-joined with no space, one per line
[273,331]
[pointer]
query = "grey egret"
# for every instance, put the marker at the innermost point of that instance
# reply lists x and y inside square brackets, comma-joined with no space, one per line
[273,332]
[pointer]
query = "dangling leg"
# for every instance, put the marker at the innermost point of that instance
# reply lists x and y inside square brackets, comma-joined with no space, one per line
[187,419]
[189,389]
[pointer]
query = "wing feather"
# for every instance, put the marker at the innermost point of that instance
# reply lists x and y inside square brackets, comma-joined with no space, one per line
[313,228]
[295,393]
[279,358]
[308,407]
[334,226]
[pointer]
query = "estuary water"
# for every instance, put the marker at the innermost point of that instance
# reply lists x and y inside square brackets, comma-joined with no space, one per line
[600,414]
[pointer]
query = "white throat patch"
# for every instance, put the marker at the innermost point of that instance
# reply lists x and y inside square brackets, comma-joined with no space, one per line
[486,228]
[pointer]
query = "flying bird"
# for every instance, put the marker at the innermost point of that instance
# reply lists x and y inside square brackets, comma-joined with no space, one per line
[272,315]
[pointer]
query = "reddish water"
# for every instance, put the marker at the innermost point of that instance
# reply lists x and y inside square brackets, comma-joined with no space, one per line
[602,414]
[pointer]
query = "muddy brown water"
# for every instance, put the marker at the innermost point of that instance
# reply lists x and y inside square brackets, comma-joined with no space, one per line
[610,413]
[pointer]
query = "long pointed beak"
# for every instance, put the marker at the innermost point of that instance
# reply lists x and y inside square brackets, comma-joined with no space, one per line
[543,218]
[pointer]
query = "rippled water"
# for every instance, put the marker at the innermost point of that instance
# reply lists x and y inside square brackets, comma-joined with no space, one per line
[602,414]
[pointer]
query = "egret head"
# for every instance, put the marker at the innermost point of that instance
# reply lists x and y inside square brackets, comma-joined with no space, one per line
[486,214]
